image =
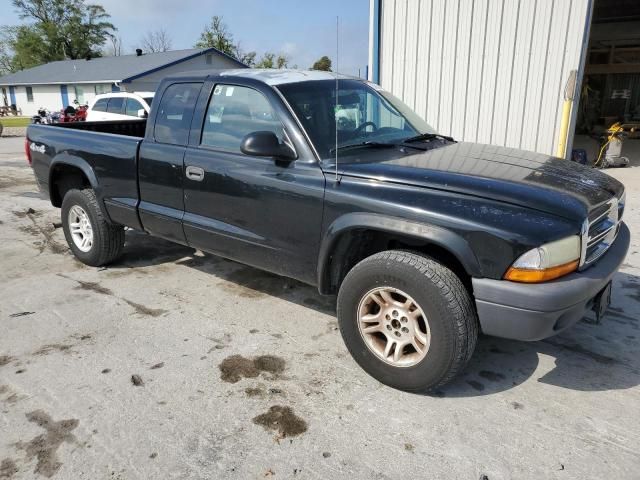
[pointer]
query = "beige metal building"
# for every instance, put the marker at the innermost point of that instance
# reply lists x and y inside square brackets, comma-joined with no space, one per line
[495,71]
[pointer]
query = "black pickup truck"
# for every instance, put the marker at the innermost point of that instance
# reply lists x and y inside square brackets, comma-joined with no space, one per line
[426,241]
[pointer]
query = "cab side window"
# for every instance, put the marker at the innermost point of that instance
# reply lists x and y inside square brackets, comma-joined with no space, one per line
[132,107]
[100,105]
[174,113]
[234,112]
[115,105]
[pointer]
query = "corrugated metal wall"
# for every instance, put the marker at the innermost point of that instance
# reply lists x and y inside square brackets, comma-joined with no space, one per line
[488,71]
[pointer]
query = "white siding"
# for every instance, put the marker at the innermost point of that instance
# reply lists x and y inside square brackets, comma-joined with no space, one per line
[47,96]
[488,71]
[50,96]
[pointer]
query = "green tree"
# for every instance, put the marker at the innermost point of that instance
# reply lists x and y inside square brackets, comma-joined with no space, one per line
[57,30]
[217,35]
[323,63]
[272,60]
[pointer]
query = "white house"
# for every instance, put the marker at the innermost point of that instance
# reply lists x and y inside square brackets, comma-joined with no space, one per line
[55,85]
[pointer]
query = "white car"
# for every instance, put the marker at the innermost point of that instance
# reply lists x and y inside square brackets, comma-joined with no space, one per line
[119,106]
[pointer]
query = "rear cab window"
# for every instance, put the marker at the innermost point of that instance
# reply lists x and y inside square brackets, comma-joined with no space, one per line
[175,111]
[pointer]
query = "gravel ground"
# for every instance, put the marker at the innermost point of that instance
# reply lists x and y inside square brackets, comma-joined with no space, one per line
[173,364]
[13,132]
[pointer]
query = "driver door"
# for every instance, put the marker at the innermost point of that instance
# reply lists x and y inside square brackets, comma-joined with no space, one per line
[255,210]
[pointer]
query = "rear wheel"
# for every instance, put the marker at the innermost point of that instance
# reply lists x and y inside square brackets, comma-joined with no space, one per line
[407,320]
[92,239]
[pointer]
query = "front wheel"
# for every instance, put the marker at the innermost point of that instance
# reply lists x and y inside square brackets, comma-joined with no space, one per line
[407,320]
[92,239]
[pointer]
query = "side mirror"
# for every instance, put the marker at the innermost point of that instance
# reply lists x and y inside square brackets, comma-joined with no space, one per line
[266,144]
[142,113]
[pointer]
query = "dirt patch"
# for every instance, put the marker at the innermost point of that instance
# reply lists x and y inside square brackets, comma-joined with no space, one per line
[517,405]
[220,343]
[28,211]
[12,399]
[20,314]
[283,420]
[45,446]
[254,392]
[144,310]
[38,231]
[53,347]
[235,367]
[93,287]
[157,365]
[98,288]
[4,389]
[5,360]
[7,181]
[137,380]
[8,468]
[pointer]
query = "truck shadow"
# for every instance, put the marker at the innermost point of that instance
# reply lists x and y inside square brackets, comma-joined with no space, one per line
[142,250]
[587,357]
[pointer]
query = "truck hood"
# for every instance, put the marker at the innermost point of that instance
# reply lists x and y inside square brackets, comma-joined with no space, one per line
[519,177]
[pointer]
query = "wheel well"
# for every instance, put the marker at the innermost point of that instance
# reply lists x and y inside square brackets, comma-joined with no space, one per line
[356,245]
[65,178]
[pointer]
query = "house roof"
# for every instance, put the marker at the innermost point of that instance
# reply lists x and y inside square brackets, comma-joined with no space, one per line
[104,69]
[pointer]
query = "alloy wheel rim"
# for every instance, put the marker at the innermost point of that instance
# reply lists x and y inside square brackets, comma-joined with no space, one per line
[393,326]
[80,228]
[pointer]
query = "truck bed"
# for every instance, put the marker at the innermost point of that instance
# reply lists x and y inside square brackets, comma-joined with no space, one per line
[130,128]
[110,148]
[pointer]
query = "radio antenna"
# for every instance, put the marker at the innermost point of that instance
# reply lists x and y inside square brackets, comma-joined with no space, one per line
[335,114]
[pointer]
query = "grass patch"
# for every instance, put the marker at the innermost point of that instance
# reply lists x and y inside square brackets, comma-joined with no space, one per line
[15,121]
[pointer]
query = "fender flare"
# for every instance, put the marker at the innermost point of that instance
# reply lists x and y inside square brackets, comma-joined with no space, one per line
[85,168]
[442,237]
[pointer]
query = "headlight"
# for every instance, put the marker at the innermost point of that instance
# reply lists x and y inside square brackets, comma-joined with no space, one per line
[550,261]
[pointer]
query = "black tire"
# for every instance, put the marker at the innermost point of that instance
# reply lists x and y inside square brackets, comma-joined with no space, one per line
[445,302]
[108,239]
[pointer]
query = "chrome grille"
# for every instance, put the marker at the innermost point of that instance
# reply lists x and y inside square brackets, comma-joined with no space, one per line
[600,230]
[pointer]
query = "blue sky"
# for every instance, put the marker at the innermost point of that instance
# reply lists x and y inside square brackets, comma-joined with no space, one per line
[303,29]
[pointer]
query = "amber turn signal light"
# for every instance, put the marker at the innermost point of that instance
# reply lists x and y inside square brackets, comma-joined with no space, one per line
[526,275]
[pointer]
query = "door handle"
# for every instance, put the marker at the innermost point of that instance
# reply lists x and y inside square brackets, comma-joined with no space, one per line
[195,173]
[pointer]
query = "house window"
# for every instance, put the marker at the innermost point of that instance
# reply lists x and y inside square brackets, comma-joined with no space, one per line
[29,94]
[102,88]
[79,94]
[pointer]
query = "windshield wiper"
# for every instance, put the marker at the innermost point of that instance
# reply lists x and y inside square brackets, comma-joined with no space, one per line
[427,136]
[349,146]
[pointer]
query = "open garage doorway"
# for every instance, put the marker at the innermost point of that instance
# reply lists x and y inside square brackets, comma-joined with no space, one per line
[610,90]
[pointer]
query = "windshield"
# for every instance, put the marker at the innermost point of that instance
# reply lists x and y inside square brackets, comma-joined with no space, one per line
[365,113]
[148,100]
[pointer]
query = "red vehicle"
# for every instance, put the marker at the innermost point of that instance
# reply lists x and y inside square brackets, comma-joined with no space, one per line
[74,114]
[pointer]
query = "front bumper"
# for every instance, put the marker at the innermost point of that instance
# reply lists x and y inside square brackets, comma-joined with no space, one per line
[535,311]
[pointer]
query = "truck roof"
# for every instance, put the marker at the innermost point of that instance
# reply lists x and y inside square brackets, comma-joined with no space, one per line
[270,76]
